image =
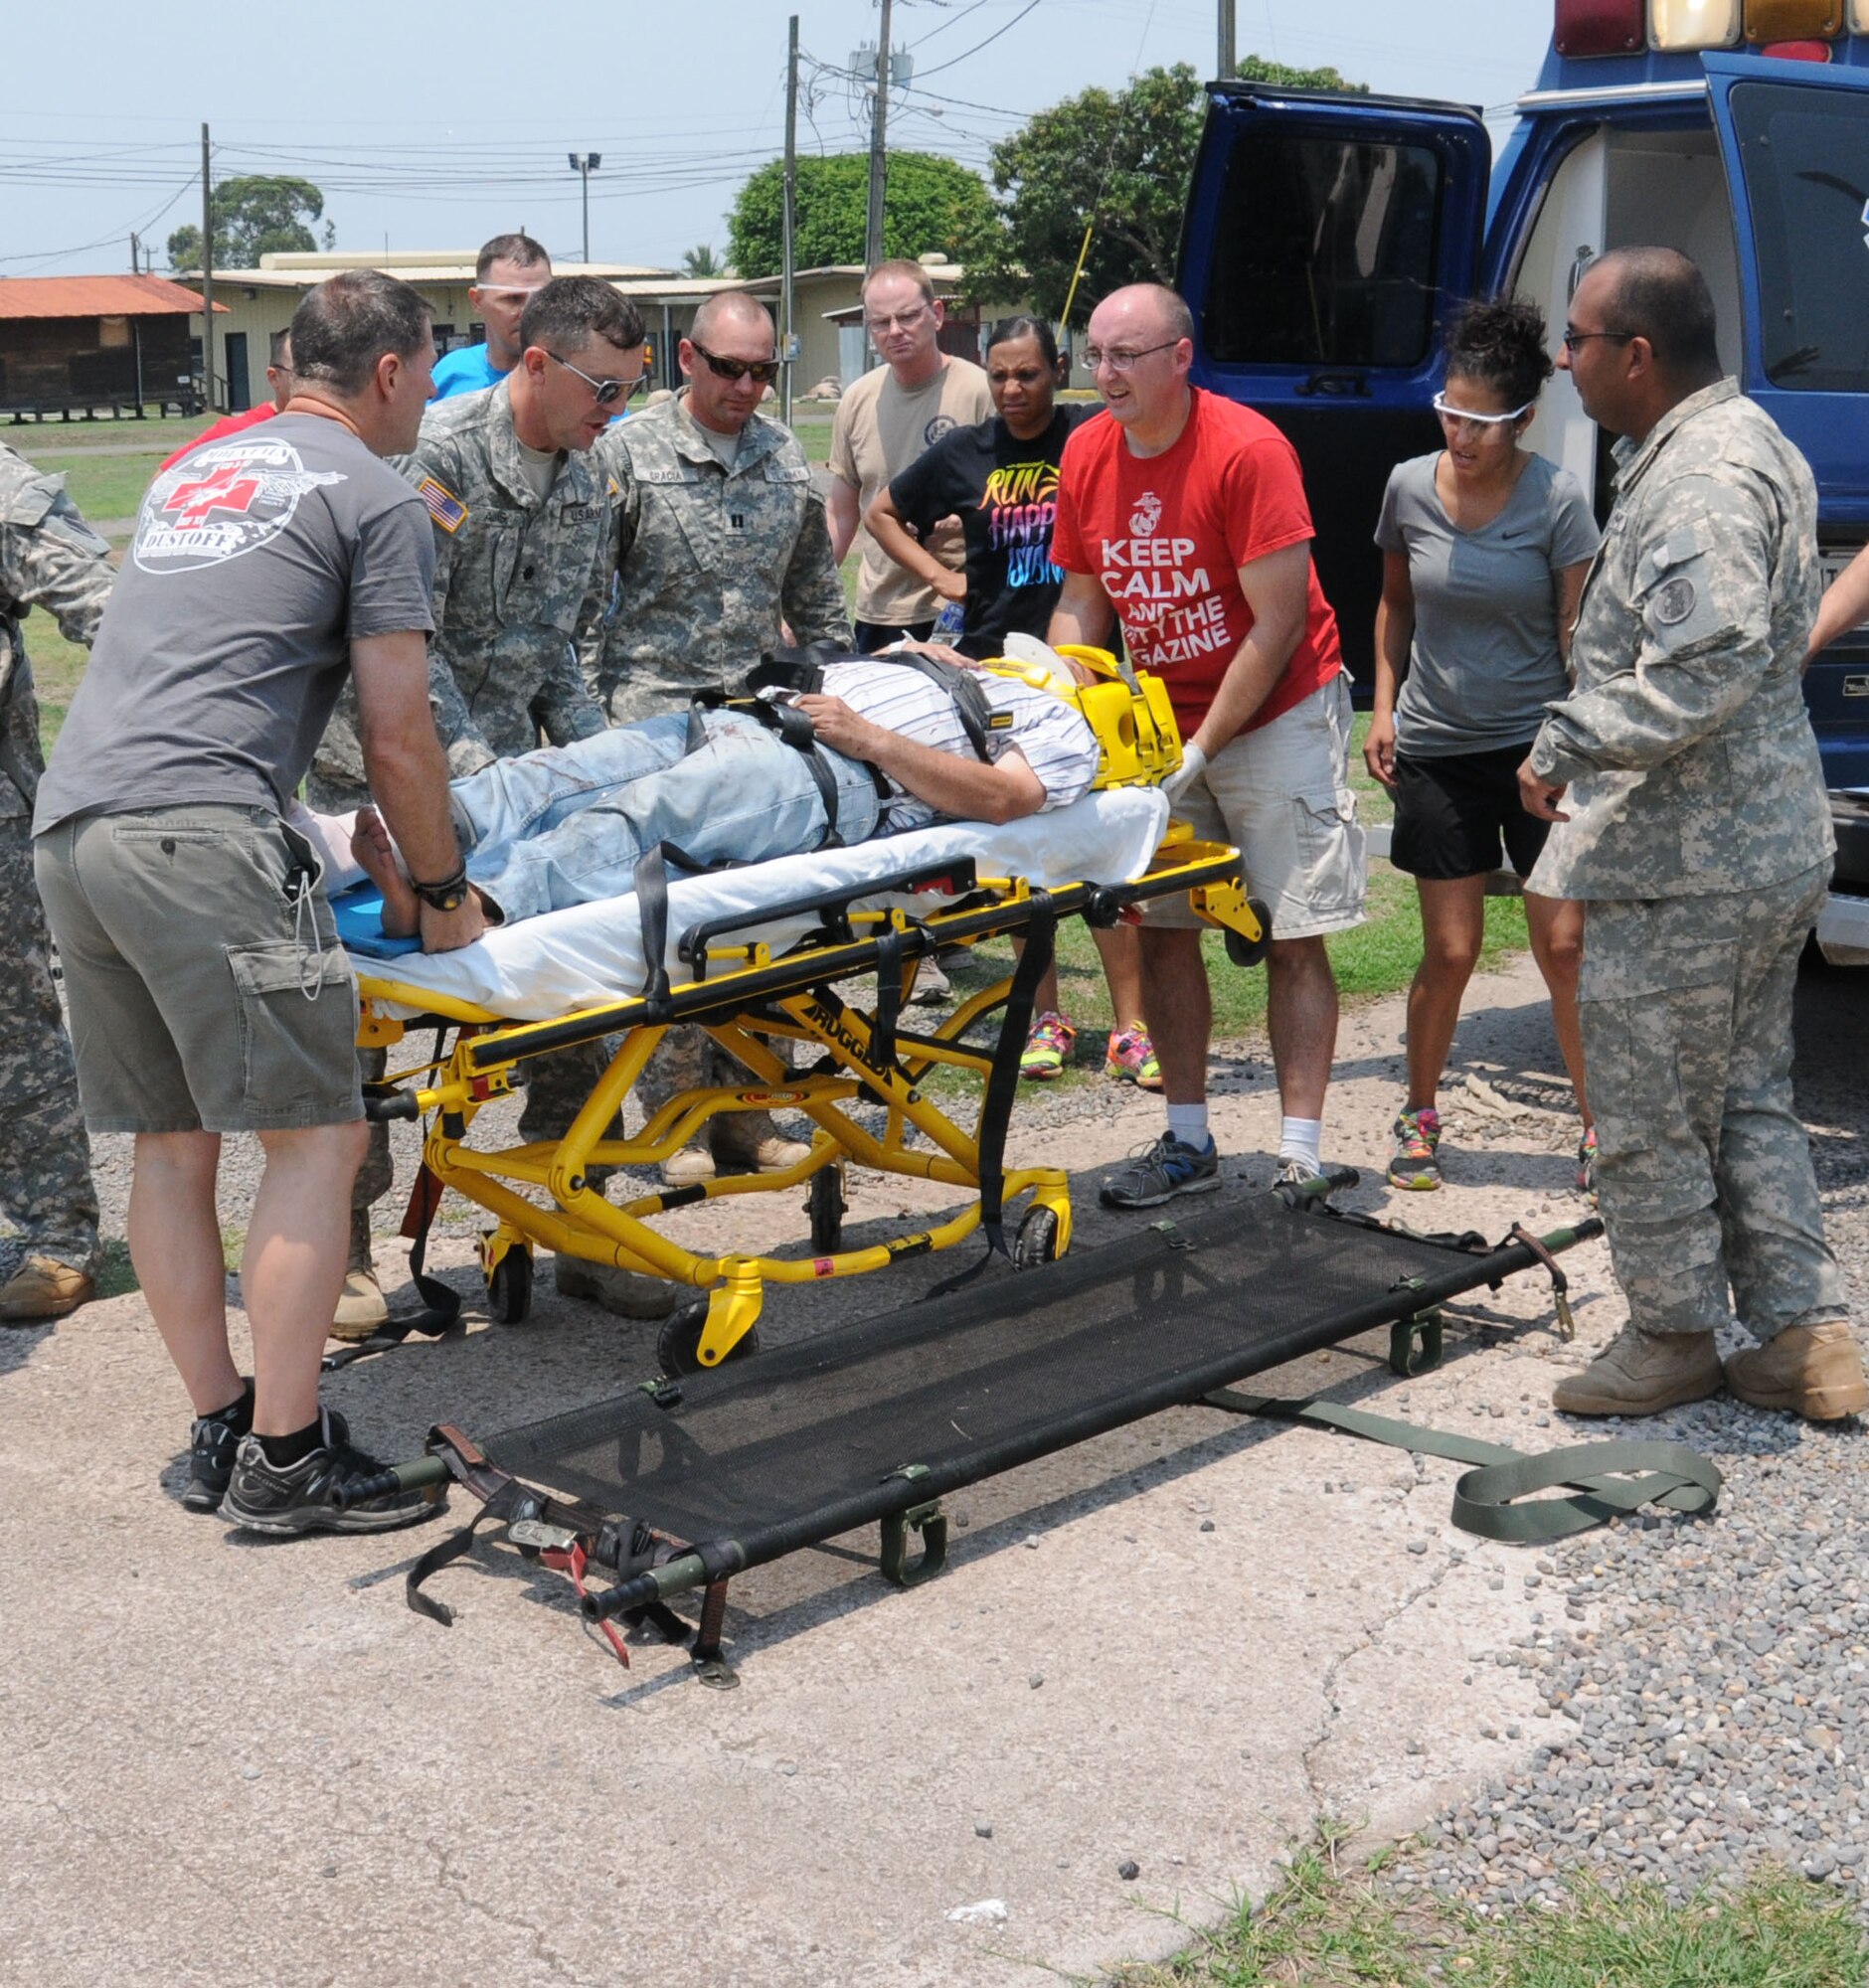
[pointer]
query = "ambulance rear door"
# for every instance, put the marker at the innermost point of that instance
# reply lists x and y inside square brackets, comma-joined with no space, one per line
[1795,138]
[1327,238]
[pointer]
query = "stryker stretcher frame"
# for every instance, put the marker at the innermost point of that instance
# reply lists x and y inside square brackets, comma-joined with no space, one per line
[756,995]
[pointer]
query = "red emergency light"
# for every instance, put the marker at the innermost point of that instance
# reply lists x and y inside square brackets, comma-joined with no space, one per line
[1818,51]
[1601,27]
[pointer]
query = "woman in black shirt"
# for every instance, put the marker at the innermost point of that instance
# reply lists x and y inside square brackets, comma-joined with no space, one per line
[1001,480]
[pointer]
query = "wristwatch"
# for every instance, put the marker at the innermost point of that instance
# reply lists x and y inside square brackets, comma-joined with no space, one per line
[450,894]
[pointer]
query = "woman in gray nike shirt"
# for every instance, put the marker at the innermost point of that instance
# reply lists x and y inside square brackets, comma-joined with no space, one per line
[1484,548]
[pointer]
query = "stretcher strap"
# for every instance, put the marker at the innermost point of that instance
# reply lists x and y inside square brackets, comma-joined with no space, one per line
[440,1306]
[1003,1085]
[1607,1479]
[652,882]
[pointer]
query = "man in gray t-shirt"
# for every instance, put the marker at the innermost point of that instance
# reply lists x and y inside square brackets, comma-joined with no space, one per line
[207,989]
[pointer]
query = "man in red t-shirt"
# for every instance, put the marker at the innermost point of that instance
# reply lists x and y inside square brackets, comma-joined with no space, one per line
[279,378]
[1183,515]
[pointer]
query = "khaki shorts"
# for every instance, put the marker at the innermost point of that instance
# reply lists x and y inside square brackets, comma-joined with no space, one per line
[196,1003]
[1281,795]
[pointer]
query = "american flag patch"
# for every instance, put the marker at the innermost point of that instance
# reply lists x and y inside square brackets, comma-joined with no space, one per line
[444,507]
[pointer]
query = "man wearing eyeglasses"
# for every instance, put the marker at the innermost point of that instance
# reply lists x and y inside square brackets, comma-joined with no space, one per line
[883,424]
[510,271]
[521,514]
[720,546]
[1683,776]
[721,534]
[1184,515]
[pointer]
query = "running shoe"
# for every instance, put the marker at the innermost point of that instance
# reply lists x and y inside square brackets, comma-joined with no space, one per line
[308,1496]
[1412,1164]
[1047,1048]
[1587,1165]
[211,1442]
[1131,1054]
[1161,1172]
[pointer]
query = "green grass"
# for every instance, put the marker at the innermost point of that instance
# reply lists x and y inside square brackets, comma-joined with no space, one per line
[104,487]
[1331,1930]
[39,439]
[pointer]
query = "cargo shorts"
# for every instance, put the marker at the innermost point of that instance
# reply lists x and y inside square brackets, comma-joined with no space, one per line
[1281,795]
[207,988]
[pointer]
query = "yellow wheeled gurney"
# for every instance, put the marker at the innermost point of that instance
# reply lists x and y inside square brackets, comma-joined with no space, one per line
[772,953]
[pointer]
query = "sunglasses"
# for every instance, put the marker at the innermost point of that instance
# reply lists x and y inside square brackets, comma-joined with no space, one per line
[764,371]
[1462,418]
[606,392]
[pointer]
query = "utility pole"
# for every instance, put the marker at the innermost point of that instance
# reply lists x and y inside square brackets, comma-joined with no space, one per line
[207,275]
[1229,48]
[136,266]
[583,164]
[878,157]
[788,223]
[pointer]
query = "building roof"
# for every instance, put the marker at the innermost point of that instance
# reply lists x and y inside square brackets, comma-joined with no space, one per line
[303,271]
[95,296]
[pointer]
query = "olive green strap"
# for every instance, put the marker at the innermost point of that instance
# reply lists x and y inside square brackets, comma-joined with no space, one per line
[1600,1474]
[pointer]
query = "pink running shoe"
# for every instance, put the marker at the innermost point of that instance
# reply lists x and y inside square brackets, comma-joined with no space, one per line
[1132,1056]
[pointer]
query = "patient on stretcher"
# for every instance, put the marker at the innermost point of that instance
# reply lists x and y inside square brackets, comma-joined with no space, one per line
[887,749]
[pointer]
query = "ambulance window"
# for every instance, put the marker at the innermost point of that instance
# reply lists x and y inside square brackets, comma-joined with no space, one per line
[1325,254]
[1805,156]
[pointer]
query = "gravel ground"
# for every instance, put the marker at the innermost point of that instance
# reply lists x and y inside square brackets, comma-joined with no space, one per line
[1704,1683]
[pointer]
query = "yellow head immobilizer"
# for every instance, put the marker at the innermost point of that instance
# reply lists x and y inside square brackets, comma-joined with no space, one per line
[1138,744]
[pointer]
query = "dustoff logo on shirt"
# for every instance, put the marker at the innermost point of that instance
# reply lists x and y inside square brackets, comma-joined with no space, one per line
[220,501]
[1021,505]
[1170,614]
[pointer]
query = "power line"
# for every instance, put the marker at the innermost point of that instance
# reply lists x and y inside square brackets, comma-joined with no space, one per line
[1006,29]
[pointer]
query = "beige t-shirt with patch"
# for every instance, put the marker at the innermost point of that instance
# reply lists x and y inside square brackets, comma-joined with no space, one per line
[879,431]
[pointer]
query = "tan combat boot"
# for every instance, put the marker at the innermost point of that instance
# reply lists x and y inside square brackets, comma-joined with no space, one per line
[627,1294]
[1641,1373]
[361,1306]
[43,1289]
[1814,1371]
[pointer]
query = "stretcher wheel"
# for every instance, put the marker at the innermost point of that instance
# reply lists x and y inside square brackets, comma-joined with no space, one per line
[825,1204]
[509,1288]
[679,1345]
[1037,1239]
[1244,952]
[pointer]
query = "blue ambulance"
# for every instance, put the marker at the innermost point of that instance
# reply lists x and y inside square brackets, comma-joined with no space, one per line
[1328,238]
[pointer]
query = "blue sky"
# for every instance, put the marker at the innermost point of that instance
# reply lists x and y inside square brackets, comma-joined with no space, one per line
[433,128]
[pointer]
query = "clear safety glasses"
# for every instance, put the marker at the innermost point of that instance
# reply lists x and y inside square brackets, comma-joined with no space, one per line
[1462,418]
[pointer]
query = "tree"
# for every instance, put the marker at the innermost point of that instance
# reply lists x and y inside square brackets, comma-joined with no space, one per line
[932,204]
[700,261]
[1120,163]
[255,215]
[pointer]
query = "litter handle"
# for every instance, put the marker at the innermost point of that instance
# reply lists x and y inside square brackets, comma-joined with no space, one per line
[382,1106]
[657,1584]
[416,1476]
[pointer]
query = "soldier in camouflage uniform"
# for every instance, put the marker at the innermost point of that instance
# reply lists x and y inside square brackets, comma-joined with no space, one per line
[523,562]
[50,557]
[722,546]
[1697,833]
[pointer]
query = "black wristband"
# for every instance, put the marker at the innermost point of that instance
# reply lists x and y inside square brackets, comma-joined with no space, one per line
[450,894]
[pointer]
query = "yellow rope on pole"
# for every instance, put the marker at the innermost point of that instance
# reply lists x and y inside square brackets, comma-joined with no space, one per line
[1076,275]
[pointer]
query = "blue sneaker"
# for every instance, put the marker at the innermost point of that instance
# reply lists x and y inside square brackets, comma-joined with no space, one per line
[1161,1172]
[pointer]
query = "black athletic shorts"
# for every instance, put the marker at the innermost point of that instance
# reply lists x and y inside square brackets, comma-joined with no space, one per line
[1453,812]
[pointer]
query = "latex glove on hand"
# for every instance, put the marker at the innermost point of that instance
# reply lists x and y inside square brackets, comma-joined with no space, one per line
[1193,766]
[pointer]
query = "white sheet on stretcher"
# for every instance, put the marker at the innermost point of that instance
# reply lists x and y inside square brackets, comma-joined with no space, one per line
[540,967]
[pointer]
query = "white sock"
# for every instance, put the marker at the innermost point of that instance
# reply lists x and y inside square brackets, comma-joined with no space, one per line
[1188,1123]
[1302,1139]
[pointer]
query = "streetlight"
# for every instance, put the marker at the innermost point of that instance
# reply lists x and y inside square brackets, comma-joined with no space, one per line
[583,164]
